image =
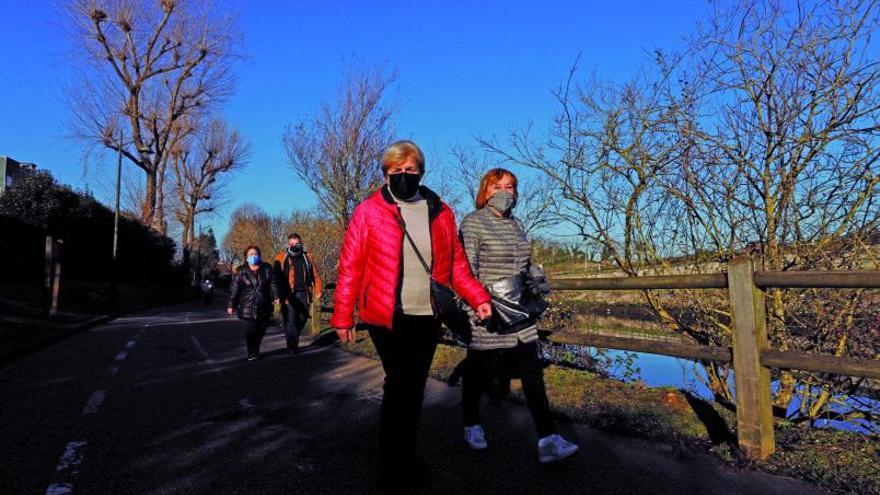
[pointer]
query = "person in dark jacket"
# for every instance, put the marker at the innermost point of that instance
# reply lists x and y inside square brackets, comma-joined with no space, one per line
[497,248]
[300,286]
[253,290]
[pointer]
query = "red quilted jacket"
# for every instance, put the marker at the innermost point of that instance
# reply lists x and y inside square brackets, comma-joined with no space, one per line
[370,262]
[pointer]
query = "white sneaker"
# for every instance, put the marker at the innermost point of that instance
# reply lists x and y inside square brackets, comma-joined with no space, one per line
[553,448]
[475,437]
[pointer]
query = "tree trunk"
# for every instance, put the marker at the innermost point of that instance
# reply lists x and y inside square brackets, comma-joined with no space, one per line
[158,223]
[148,205]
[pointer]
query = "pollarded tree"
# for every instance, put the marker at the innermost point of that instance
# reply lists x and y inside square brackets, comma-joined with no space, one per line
[153,67]
[201,164]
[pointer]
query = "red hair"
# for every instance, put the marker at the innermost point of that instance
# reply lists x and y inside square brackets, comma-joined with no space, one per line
[491,177]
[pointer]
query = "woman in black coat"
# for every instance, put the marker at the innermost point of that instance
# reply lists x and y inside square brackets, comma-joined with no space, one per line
[252,293]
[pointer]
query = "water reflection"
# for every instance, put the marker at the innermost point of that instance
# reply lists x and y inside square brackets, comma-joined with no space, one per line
[664,371]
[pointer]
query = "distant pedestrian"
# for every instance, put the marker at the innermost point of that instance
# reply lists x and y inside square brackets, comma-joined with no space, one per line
[497,249]
[393,235]
[207,290]
[251,295]
[300,285]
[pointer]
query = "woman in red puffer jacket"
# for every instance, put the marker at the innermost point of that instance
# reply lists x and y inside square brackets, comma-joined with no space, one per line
[380,272]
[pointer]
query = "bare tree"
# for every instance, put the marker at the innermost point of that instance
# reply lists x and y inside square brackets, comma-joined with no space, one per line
[251,225]
[322,237]
[461,182]
[201,162]
[154,66]
[207,254]
[763,139]
[321,234]
[336,152]
[795,159]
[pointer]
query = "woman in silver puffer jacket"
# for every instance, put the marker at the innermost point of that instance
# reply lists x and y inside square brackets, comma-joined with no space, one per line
[497,248]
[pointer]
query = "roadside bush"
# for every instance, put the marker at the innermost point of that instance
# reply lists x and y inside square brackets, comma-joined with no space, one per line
[37,206]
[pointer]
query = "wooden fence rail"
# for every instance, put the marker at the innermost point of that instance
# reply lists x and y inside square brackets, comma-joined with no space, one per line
[750,354]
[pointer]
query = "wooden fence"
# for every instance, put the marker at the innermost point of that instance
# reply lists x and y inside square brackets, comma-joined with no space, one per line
[318,309]
[750,353]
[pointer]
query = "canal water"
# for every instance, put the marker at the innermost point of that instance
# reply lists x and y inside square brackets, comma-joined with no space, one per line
[664,371]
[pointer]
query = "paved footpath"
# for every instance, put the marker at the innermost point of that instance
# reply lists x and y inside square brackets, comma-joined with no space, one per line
[164,402]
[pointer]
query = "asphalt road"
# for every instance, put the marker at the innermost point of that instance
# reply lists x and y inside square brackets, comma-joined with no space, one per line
[164,402]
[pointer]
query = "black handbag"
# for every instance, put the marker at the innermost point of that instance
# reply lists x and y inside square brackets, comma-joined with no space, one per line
[443,300]
[518,301]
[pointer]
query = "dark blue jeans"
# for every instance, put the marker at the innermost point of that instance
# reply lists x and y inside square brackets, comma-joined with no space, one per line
[295,313]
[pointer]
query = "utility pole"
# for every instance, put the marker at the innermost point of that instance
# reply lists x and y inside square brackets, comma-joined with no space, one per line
[114,288]
[198,271]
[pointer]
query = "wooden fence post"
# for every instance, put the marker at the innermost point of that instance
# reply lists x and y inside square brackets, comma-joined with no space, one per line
[49,264]
[316,316]
[754,411]
[57,255]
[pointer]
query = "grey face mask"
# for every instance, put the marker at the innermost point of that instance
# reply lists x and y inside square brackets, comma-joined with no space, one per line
[502,201]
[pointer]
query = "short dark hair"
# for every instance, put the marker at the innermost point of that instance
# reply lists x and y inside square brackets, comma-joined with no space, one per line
[255,248]
[295,236]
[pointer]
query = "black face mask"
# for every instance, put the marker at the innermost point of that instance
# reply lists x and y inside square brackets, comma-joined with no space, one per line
[404,186]
[295,250]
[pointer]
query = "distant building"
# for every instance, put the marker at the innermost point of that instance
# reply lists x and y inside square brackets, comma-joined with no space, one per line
[11,170]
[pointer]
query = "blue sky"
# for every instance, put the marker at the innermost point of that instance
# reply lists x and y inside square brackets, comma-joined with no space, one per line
[465,69]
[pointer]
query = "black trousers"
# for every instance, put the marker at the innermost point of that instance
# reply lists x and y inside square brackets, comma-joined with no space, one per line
[406,352]
[481,366]
[253,334]
[295,313]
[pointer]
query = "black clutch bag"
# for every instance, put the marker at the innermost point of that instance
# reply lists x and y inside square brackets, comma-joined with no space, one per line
[517,303]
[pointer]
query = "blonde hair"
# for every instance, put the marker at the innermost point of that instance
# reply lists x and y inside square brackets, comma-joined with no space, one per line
[399,152]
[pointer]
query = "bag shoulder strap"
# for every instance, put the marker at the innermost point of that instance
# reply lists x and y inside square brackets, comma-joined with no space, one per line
[412,243]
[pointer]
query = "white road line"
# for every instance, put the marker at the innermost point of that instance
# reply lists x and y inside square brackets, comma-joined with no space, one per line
[72,456]
[121,356]
[114,370]
[60,489]
[201,349]
[94,402]
[130,344]
[68,465]
[245,404]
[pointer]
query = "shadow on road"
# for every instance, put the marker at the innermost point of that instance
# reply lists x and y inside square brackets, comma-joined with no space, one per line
[187,414]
